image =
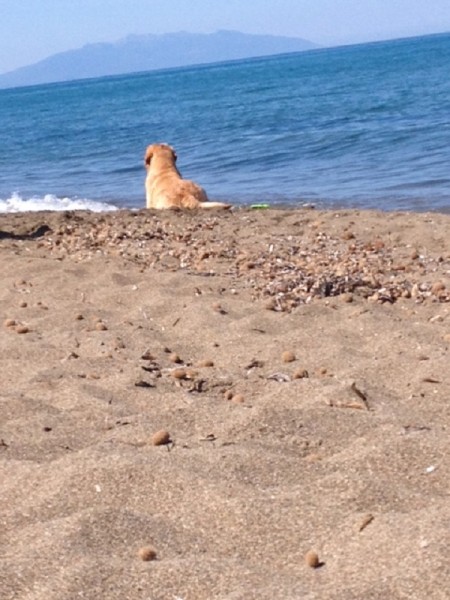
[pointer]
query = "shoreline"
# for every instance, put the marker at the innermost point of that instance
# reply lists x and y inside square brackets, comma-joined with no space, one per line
[60,205]
[298,360]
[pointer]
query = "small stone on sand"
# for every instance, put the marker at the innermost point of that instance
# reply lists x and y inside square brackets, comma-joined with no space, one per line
[22,329]
[217,307]
[161,438]
[10,323]
[312,559]
[288,356]
[205,363]
[173,357]
[300,374]
[347,297]
[147,553]
[437,288]
[238,399]
[179,374]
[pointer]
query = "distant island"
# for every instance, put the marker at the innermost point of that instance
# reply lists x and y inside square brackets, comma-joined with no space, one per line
[137,53]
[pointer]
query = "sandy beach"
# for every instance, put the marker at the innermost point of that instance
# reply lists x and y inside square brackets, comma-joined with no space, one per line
[298,363]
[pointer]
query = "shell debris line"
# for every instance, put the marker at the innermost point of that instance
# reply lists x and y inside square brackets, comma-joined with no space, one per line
[284,271]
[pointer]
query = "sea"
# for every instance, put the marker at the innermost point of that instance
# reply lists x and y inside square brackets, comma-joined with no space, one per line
[361,126]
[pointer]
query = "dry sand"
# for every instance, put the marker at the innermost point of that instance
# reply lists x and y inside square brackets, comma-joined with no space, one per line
[299,361]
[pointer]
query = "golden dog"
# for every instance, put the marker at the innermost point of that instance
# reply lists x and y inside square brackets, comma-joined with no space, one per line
[164,186]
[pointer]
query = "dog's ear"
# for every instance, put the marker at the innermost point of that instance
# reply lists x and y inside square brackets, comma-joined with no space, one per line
[174,154]
[148,155]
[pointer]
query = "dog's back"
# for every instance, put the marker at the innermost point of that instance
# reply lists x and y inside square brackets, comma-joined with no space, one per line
[164,185]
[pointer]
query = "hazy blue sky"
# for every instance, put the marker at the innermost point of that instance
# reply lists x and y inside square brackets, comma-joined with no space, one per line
[33,29]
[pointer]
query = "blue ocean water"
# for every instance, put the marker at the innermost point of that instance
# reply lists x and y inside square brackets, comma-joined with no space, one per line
[362,126]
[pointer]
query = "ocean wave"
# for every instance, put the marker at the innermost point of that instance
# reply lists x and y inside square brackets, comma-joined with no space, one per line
[50,202]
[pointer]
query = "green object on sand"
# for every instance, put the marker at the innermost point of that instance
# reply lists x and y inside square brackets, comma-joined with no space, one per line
[259,206]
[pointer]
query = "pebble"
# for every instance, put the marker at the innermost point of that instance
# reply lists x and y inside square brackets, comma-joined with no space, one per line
[147,553]
[23,304]
[173,357]
[288,356]
[312,559]
[100,326]
[205,363]
[161,438]
[238,399]
[270,304]
[22,329]
[347,297]
[147,355]
[179,374]
[10,323]
[300,374]
[228,394]
[437,288]
[217,307]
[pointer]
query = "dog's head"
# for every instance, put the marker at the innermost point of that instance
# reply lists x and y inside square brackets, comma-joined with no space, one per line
[159,150]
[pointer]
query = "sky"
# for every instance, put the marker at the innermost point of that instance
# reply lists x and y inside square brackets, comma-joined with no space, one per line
[31,30]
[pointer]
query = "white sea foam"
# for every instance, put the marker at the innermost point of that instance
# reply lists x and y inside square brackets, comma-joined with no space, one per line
[50,202]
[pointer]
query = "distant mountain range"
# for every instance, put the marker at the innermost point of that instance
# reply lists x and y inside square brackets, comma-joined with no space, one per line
[149,52]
